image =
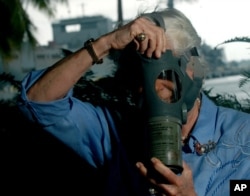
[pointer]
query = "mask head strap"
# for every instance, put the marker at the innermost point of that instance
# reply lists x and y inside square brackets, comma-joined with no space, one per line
[194,52]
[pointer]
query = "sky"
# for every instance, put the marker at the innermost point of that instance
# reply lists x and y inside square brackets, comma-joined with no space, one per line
[215,20]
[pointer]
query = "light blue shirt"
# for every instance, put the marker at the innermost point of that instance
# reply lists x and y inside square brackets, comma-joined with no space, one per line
[85,128]
[66,119]
[230,159]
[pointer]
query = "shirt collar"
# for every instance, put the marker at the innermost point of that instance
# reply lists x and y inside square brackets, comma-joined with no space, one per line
[204,128]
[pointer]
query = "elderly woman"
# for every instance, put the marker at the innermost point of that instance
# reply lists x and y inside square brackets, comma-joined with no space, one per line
[215,140]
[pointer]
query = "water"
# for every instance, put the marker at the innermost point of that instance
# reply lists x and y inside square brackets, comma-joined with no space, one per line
[228,85]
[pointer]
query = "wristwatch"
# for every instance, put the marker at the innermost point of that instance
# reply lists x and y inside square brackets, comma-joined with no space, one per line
[89,47]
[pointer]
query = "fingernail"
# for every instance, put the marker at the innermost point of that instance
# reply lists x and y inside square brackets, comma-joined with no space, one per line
[153,160]
[138,165]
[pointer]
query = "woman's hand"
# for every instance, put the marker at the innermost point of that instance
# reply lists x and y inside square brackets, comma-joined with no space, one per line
[63,75]
[179,185]
[154,44]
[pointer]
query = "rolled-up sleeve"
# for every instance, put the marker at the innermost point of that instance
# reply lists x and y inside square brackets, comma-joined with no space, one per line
[80,125]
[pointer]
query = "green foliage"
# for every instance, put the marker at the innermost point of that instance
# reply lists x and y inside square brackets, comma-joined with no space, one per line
[6,79]
[236,39]
[231,100]
[245,79]
[17,24]
[46,6]
[228,100]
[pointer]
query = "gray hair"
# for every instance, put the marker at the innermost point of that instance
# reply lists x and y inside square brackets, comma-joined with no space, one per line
[182,35]
[178,28]
[180,31]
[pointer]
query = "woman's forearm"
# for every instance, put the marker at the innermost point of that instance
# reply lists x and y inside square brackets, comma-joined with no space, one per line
[60,77]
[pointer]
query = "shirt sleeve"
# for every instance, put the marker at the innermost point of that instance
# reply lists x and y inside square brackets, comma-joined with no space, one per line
[80,125]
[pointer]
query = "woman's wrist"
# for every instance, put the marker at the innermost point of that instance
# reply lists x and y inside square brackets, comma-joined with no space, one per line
[88,45]
[101,47]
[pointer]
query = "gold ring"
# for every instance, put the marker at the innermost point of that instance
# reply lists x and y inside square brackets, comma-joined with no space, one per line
[140,37]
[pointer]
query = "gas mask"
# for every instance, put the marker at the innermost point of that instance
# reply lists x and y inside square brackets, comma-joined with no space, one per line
[171,86]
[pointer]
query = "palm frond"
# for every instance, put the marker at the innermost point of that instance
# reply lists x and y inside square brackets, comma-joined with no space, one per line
[236,39]
[47,6]
[245,79]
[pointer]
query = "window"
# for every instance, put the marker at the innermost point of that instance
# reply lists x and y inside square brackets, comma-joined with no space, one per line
[73,28]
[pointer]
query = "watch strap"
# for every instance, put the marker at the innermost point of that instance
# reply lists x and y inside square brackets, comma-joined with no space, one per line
[88,45]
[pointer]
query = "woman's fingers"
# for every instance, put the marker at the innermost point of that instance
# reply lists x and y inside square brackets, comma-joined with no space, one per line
[154,44]
[175,184]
